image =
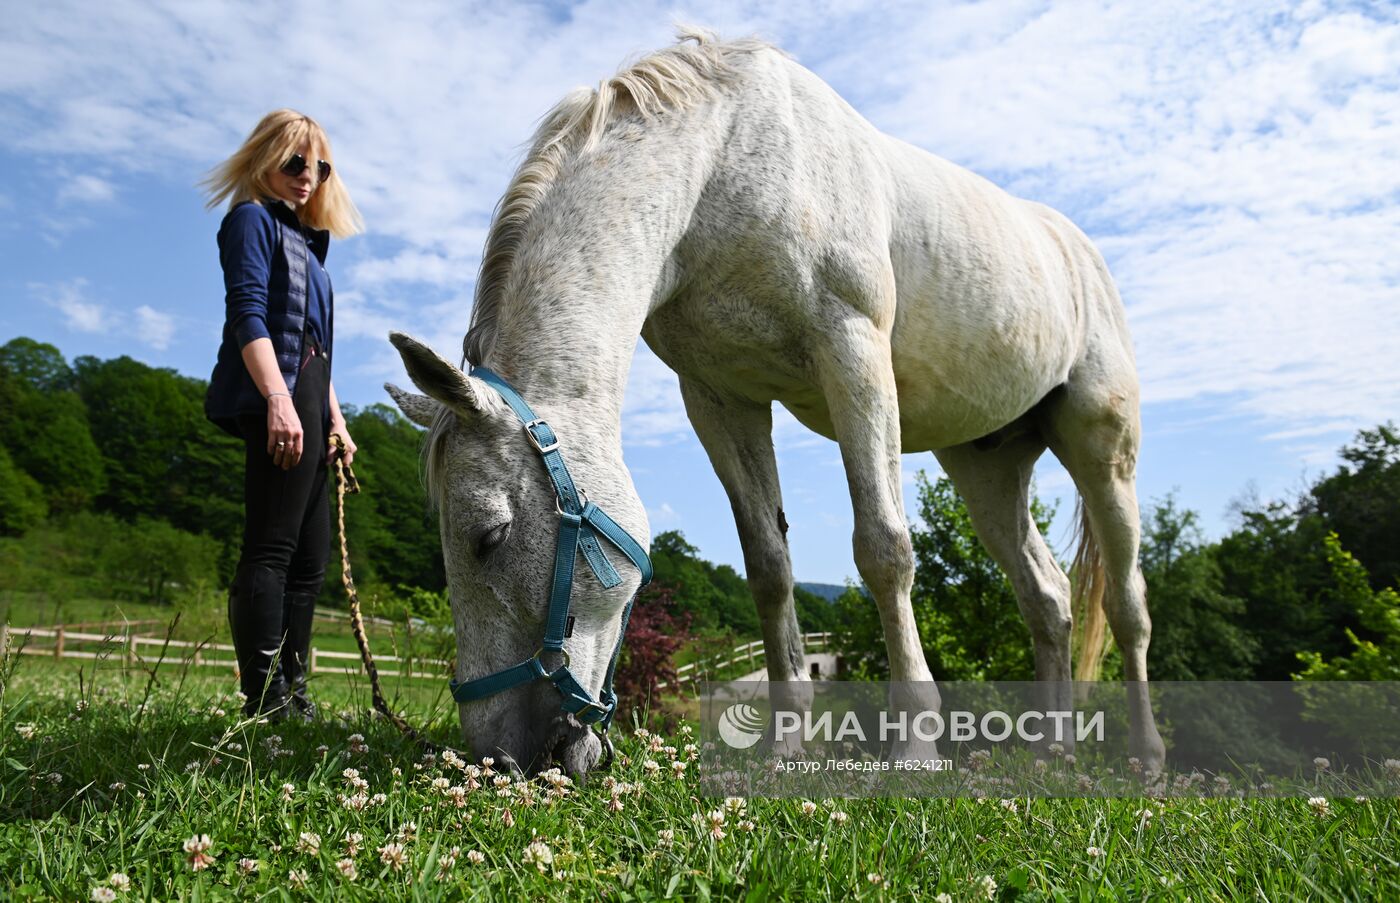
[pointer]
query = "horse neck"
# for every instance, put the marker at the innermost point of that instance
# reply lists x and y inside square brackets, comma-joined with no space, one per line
[596,259]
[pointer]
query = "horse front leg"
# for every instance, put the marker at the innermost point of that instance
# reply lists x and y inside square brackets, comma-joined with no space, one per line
[857,379]
[738,437]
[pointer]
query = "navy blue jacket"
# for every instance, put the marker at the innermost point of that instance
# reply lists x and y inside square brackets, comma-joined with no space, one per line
[266,256]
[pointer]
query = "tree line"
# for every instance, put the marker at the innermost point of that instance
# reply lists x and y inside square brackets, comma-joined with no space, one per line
[112,483]
[1303,587]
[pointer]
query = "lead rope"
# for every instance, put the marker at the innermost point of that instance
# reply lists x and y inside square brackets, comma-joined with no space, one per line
[345,482]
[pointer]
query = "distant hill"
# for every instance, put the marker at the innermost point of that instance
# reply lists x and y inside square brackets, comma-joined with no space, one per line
[828,591]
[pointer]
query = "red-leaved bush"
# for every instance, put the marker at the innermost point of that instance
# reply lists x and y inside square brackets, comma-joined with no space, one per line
[654,633]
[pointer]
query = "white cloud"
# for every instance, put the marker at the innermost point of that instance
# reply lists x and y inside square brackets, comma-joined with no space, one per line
[70,299]
[153,327]
[86,189]
[1239,164]
[663,518]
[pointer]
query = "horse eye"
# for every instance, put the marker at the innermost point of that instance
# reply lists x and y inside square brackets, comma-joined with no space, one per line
[491,539]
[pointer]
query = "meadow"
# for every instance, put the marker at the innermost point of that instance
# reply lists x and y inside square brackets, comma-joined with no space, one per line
[135,783]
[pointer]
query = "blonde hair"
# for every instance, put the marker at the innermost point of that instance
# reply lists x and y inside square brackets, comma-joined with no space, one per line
[244,176]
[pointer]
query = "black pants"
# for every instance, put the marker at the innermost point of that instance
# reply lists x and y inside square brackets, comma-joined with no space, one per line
[287,526]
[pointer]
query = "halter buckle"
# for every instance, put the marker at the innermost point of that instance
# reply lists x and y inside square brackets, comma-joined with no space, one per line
[535,440]
[540,651]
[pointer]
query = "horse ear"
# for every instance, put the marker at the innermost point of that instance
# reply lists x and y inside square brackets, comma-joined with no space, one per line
[439,379]
[418,408]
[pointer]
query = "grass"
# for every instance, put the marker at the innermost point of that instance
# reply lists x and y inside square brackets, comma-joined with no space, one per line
[94,783]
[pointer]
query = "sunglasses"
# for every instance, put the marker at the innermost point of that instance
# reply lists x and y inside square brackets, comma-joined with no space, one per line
[297,165]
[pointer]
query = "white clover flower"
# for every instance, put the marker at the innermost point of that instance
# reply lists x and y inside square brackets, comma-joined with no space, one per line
[407,831]
[1094,852]
[288,790]
[746,826]
[347,869]
[309,843]
[1319,806]
[1321,763]
[651,767]
[298,878]
[1392,767]
[943,897]
[838,817]
[1010,806]
[119,881]
[539,855]
[986,886]
[1070,759]
[198,849]
[392,855]
[808,807]
[665,837]
[26,731]
[735,804]
[102,894]
[678,768]
[875,878]
[476,857]
[247,866]
[116,786]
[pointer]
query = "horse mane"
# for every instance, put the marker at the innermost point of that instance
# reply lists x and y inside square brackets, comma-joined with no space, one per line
[668,80]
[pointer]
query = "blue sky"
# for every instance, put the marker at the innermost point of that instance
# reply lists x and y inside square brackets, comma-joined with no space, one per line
[1239,167]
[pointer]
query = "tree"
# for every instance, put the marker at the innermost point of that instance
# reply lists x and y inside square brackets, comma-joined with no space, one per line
[964,606]
[1377,655]
[1275,562]
[1197,630]
[392,534]
[716,597]
[655,631]
[162,458]
[151,558]
[49,438]
[37,364]
[1361,502]
[22,504]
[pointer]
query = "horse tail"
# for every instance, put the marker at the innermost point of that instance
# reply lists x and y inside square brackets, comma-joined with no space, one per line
[1087,577]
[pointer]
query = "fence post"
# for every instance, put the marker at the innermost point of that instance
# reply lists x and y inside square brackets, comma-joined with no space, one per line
[130,650]
[311,662]
[4,638]
[58,643]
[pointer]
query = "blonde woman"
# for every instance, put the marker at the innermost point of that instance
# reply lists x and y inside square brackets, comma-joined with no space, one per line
[271,387]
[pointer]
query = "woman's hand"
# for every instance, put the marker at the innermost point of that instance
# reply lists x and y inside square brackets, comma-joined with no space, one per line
[283,432]
[338,429]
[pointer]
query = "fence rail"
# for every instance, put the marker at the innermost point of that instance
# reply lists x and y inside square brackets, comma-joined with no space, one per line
[749,652]
[327,661]
[127,647]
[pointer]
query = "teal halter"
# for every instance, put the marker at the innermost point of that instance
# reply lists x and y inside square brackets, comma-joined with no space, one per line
[580,524]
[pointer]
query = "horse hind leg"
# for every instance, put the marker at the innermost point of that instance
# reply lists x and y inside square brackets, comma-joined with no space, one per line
[994,483]
[1093,428]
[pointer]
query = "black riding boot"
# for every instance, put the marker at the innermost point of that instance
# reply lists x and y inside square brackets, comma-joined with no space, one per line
[255,618]
[297,612]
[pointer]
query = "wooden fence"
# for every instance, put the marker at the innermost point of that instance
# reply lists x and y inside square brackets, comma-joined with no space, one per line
[127,646]
[750,653]
[58,642]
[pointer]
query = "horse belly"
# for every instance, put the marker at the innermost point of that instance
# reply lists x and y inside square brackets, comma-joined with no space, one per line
[962,377]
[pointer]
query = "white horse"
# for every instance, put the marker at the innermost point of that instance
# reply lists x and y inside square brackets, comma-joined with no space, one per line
[769,244]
